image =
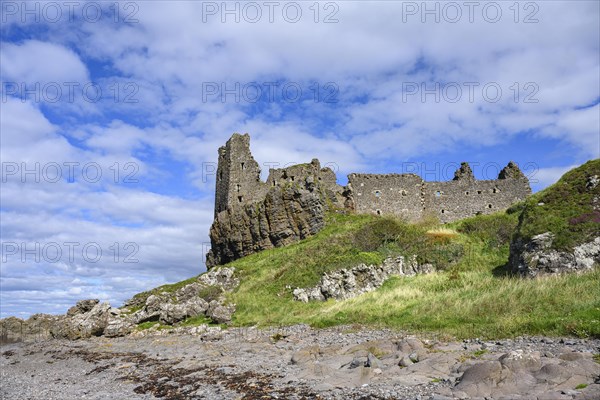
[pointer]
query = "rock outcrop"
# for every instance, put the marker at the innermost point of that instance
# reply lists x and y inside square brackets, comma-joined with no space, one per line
[570,211]
[347,283]
[287,214]
[202,297]
[537,257]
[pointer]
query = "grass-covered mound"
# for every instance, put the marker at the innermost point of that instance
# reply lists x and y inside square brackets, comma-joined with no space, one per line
[566,209]
[467,299]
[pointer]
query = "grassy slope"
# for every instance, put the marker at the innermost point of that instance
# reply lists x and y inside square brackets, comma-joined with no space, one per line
[567,209]
[469,299]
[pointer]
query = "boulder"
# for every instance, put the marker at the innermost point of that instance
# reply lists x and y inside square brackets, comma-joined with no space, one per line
[118,326]
[171,313]
[91,323]
[220,313]
[82,306]
[479,379]
[223,277]
[520,360]
[537,257]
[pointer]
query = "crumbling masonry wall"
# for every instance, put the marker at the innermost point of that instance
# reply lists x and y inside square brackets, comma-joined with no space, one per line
[409,197]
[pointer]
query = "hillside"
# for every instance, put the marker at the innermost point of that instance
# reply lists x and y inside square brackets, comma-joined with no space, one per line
[469,299]
[451,280]
[471,295]
[570,209]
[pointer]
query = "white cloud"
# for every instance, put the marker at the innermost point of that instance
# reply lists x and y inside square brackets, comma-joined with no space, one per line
[34,61]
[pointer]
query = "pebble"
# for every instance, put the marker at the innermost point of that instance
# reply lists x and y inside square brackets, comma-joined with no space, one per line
[247,357]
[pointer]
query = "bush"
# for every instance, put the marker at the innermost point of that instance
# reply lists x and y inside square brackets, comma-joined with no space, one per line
[389,232]
[494,230]
[210,293]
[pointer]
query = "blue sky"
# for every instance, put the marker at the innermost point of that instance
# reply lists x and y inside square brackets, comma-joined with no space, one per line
[112,114]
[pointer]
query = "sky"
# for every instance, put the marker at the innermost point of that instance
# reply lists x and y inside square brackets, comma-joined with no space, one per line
[112,114]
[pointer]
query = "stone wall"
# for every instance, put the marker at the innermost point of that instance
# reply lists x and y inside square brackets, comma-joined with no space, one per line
[390,194]
[409,197]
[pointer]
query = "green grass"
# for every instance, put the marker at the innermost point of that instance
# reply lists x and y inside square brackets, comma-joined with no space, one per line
[197,321]
[210,293]
[469,299]
[146,325]
[567,209]
[479,353]
[581,386]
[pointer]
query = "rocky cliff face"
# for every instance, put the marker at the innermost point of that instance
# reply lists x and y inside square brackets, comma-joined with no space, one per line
[287,214]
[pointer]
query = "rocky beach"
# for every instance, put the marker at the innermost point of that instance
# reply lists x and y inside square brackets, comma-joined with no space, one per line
[299,362]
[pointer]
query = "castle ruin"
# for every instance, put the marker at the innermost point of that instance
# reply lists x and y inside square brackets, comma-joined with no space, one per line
[410,197]
[252,215]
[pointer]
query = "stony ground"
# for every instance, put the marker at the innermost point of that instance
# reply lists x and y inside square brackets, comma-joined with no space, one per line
[300,363]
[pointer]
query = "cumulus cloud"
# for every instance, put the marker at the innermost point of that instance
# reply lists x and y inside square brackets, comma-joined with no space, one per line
[36,61]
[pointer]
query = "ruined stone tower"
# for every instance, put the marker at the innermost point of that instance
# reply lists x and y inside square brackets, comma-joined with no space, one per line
[251,215]
[238,174]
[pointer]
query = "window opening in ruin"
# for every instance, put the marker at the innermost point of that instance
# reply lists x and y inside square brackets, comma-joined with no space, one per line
[240,198]
[238,187]
[404,193]
[292,178]
[443,211]
[243,166]
[495,190]
[438,194]
[378,212]
[377,193]
[467,193]
[479,192]
[220,175]
[489,206]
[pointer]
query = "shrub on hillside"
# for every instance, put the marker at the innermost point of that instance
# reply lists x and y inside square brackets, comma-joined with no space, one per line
[495,230]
